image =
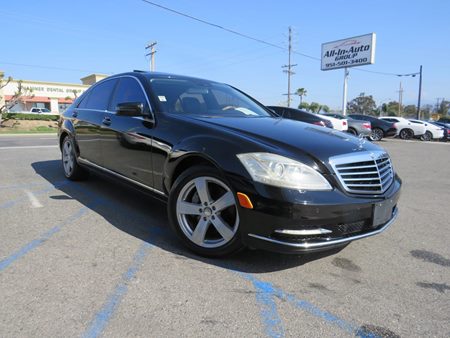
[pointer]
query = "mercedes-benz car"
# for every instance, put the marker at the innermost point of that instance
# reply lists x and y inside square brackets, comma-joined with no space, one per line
[233,173]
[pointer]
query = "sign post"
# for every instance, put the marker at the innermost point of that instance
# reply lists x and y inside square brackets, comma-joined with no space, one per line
[351,52]
[344,96]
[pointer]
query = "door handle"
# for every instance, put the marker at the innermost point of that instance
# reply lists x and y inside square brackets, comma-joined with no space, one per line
[106,121]
[74,114]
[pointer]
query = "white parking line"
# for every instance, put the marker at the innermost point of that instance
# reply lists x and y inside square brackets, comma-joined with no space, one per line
[28,147]
[33,200]
[414,141]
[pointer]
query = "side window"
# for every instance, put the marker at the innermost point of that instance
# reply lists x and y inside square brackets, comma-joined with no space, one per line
[83,100]
[286,113]
[128,90]
[100,94]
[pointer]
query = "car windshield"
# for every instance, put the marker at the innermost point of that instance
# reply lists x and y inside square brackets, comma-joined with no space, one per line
[203,98]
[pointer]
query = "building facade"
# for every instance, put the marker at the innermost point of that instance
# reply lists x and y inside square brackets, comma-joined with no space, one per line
[55,96]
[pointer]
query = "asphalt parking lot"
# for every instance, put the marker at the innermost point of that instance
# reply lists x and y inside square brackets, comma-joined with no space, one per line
[98,259]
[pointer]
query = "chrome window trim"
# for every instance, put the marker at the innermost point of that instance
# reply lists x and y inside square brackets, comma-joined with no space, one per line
[88,92]
[89,163]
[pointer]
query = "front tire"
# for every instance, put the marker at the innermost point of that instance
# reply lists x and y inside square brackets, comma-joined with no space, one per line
[352,132]
[428,136]
[204,212]
[72,170]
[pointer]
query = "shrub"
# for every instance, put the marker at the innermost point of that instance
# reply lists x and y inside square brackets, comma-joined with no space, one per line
[31,117]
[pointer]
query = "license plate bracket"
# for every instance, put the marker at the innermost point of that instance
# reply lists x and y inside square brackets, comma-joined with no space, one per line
[382,212]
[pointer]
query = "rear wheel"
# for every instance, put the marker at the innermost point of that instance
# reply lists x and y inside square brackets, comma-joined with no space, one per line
[72,170]
[406,134]
[377,134]
[204,213]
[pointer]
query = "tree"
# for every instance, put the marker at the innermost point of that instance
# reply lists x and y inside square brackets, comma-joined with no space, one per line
[15,99]
[443,108]
[304,105]
[425,111]
[410,111]
[314,107]
[301,92]
[390,108]
[362,105]
[325,108]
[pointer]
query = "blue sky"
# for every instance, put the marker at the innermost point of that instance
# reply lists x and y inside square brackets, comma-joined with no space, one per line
[81,37]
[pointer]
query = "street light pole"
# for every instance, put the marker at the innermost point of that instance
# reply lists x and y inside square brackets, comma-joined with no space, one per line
[420,93]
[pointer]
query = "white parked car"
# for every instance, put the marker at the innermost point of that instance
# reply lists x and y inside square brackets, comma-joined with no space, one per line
[432,131]
[36,110]
[341,125]
[405,128]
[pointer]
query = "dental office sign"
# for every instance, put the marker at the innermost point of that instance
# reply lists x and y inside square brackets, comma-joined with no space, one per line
[356,51]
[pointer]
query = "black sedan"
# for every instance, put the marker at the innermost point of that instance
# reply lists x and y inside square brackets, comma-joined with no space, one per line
[380,128]
[233,173]
[301,115]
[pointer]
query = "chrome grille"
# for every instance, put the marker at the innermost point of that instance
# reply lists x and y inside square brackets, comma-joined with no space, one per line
[364,172]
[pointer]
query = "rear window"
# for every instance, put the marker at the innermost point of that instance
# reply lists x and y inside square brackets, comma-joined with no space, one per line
[99,95]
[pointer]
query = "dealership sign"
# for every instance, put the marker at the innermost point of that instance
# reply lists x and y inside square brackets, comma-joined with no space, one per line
[356,51]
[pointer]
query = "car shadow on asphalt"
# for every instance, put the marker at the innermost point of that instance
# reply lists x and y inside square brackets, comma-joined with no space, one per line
[144,217]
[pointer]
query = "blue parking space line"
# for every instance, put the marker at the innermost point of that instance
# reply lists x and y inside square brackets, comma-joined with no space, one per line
[57,185]
[270,318]
[268,309]
[265,296]
[44,237]
[108,310]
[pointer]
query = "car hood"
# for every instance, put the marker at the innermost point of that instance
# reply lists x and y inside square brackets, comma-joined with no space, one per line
[285,134]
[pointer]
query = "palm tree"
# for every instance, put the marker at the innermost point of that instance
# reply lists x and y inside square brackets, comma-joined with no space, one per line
[301,92]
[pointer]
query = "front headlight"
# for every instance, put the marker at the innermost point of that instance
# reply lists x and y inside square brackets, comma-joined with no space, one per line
[282,172]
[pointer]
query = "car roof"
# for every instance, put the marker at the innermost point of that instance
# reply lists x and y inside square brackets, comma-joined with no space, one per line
[159,75]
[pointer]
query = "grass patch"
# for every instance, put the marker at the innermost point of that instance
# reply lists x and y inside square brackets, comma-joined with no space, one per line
[35,130]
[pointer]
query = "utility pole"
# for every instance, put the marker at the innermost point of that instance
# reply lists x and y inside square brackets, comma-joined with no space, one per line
[288,69]
[420,93]
[400,99]
[152,52]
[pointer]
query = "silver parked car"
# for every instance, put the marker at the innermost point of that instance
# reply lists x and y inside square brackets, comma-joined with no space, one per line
[355,127]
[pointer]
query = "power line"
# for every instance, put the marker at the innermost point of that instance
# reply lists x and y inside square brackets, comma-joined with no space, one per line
[257,39]
[51,67]
[214,25]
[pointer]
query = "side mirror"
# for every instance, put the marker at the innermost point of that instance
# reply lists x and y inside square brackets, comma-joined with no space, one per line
[130,109]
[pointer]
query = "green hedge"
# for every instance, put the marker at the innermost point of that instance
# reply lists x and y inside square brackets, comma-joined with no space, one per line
[35,117]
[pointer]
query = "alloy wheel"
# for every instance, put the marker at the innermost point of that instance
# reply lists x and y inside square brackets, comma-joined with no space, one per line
[207,213]
[68,157]
[405,134]
[377,134]
[427,136]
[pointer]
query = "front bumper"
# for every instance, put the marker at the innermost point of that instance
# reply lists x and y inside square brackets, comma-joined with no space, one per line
[296,222]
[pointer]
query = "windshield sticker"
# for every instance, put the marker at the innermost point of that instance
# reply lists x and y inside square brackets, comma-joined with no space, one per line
[162,98]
